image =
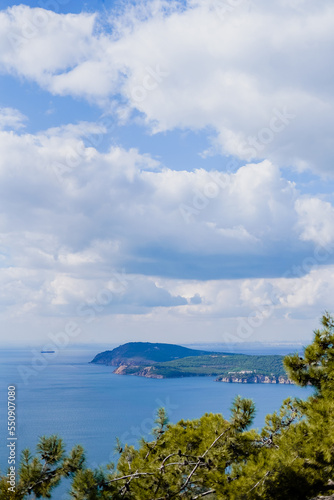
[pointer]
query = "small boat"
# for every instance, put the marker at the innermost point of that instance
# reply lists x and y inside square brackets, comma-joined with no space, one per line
[47,352]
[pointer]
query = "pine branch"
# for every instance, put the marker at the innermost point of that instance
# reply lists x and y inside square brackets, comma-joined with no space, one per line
[204,494]
[200,460]
[135,474]
[48,475]
[257,484]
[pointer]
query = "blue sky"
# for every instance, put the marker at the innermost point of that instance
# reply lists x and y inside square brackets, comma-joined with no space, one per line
[166,170]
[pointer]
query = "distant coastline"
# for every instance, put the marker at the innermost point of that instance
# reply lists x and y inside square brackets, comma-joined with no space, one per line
[155,360]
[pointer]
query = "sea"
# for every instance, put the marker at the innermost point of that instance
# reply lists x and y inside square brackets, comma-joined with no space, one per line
[63,393]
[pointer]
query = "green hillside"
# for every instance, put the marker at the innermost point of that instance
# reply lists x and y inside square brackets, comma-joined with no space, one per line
[143,353]
[154,360]
[220,364]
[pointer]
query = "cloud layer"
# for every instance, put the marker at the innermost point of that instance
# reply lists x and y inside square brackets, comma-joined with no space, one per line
[113,235]
[254,73]
[119,233]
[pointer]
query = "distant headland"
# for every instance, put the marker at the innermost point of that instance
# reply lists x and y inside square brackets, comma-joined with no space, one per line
[157,360]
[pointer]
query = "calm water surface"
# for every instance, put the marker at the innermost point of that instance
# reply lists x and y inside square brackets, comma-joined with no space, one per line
[86,404]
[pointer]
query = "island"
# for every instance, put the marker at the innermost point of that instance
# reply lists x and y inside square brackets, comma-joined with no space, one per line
[158,360]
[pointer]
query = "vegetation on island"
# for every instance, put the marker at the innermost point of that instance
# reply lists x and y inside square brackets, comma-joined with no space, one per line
[222,365]
[143,353]
[170,361]
[291,458]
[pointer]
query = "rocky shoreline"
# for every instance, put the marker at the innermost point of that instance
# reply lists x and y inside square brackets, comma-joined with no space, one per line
[141,372]
[235,378]
[254,379]
[157,360]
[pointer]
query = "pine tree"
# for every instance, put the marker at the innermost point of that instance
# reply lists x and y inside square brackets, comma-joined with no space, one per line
[40,474]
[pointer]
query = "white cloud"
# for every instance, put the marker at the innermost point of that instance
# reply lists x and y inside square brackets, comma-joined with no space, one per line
[93,224]
[118,238]
[37,43]
[316,220]
[255,74]
[298,296]
[59,195]
[11,118]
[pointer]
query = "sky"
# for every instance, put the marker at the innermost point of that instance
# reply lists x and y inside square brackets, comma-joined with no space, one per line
[166,170]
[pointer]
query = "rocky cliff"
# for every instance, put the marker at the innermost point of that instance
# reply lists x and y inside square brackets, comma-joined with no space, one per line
[140,371]
[254,379]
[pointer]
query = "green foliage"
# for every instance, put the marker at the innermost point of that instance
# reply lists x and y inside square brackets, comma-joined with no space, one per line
[216,365]
[317,366]
[185,459]
[144,353]
[223,364]
[292,458]
[170,360]
[161,421]
[40,474]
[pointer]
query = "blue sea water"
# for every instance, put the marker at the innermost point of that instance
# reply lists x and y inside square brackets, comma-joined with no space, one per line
[87,404]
